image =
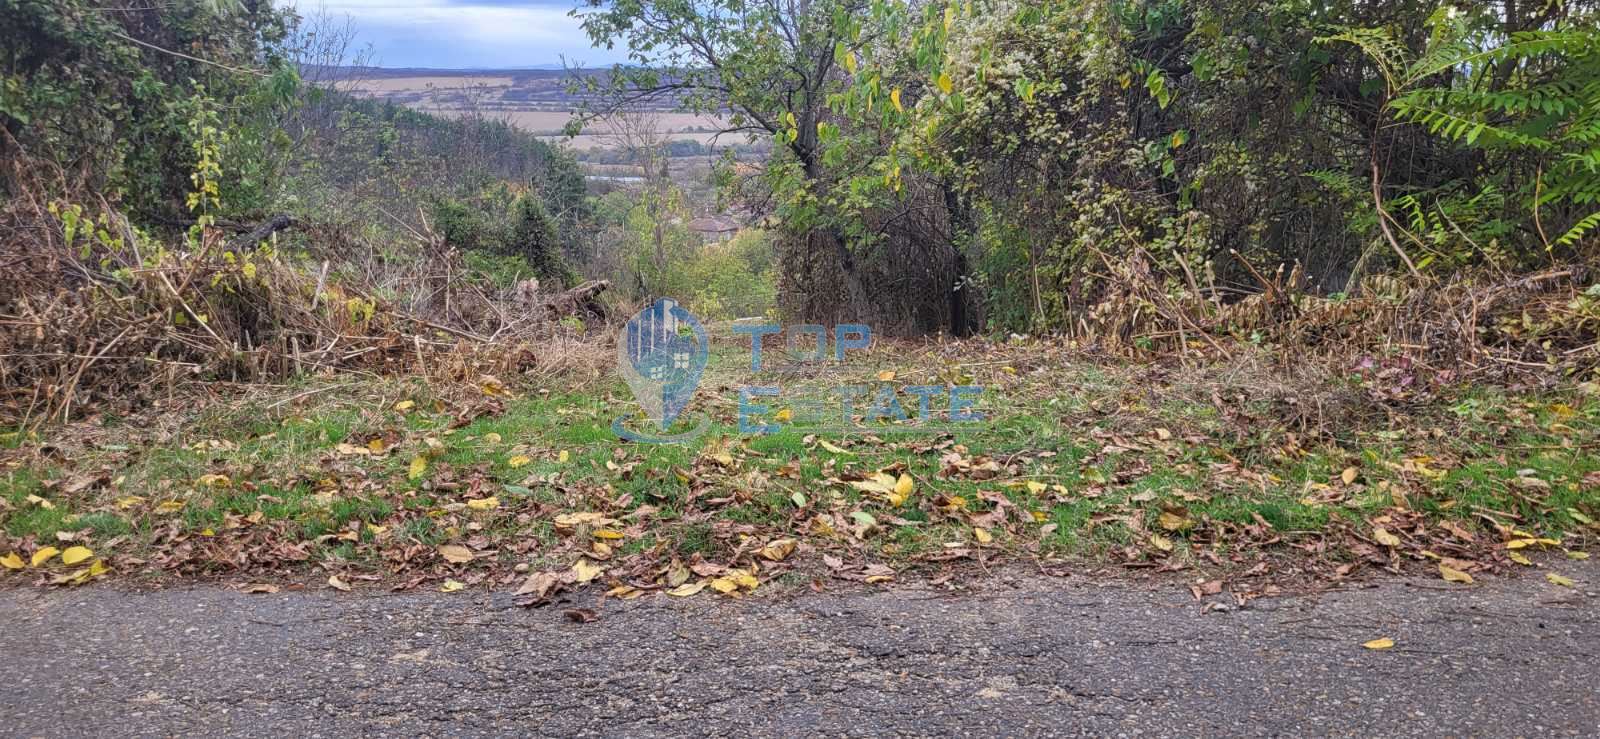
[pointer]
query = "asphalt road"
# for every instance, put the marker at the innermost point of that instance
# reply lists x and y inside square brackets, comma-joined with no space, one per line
[1027,656]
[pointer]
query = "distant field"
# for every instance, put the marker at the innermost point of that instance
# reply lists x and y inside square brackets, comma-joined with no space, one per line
[536,102]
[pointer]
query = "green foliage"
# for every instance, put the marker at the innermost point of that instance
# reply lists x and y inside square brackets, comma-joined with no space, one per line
[506,233]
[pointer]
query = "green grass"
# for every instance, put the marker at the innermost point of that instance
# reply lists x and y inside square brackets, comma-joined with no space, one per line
[1120,452]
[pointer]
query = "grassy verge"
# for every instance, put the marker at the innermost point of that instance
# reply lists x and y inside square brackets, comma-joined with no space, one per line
[1231,470]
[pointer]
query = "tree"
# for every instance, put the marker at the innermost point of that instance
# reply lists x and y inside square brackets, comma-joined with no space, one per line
[769,66]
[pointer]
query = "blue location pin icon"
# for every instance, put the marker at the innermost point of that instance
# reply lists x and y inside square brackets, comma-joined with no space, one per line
[662,355]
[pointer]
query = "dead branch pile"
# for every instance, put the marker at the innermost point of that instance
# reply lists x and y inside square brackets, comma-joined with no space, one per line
[1471,323]
[95,314]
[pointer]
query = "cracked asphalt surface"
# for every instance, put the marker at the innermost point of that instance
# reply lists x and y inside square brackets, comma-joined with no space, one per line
[1026,655]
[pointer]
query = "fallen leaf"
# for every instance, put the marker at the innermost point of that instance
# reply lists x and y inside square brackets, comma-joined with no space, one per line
[451,586]
[778,550]
[519,460]
[43,555]
[418,466]
[337,584]
[687,589]
[834,448]
[580,615]
[1565,582]
[484,504]
[1520,558]
[563,456]
[1450,574]
[586,570]
[405,405]
[886,375]
[456,554]
[258,588]
[1349,475]
[1385,538]
[74,555]
[1384,643]
[11,561]
[1161,542]
[492,438]
[982,534]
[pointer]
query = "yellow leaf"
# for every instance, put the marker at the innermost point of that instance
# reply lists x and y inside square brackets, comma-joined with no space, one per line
[1564,582]
[405,405]
[687,589]
[1385,538]
[11,561]
[1174,521]
[98,568]
[451,586]
[337,584]
[1577,555]
[456,554]
[484,504]
[171,506]
[74,555]
[43,555]
[983,535]
[1451,574]
[418,466]
[894,97]
[41,502]
[1349,475]
[607,534]
[724,585]
[492,437]
[1035,487]
[1161,542]
[213,481]
[784,416]
[744,579]
[778,550]
[1520,559]
[586,570]
[519,460]
[1384,643]
[563,456]
[128,502]
[945,83]
[886,375]
[834,448]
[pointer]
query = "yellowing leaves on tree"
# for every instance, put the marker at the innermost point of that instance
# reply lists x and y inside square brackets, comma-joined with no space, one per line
[484,504]
[418,466]
[894,97]
[1384,643]
[74,555]
[945,83]
[43,555]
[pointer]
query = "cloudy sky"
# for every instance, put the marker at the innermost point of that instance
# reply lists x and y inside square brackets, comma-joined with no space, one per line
[466,33]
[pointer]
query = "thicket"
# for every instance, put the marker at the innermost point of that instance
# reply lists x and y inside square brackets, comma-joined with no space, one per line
[1016,165]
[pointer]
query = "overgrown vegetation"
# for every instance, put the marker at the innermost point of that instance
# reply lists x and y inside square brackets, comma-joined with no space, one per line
[1284,290]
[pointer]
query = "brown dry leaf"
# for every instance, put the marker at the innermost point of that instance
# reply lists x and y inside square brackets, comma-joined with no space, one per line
[539,584]
[581,615]
[456,554]
[337,584]
[259,587]
[1349,475]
